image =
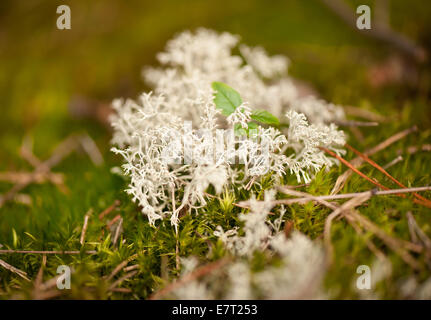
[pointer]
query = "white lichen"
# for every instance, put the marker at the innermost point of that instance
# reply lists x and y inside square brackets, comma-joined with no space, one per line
[171,138]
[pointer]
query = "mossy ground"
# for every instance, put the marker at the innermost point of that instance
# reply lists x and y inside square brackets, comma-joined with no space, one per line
[101,58]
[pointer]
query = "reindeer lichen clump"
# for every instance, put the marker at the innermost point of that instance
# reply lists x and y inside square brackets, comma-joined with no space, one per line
[175,137]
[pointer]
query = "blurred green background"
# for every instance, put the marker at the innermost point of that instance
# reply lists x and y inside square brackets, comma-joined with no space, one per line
[45,73]
[42,67]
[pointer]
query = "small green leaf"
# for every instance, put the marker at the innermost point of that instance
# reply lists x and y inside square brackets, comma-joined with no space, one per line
[240,131]
[252,125]
[226,99]
[264,116]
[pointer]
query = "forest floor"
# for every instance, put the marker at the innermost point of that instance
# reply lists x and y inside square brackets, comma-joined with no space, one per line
[57,84]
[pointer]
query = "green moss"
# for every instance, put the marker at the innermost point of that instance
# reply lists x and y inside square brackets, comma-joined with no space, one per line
[101,58]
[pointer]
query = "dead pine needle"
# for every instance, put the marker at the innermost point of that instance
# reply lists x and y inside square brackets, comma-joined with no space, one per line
[118,231]
[63,149]
[417,233]
[114,220]
[393,162]
[108,210]
[342,179]
[352,167]
[120,280]
[130,268]
[352,216]
[352,123]
[47,252]
[121,266]
[303,195]
[398,246]
[345,195]
[414,149]
[363,113]
[90,147]
[39,278]
[411,224]
[11,268]
[375,165]
[121,290]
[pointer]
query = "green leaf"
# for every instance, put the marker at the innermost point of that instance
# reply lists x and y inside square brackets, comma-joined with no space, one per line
[264,116]
[226,99]
[252,125]
[240,131]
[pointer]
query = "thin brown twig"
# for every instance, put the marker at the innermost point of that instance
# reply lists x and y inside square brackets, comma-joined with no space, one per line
[392,139]
[62,150]
[125,277]
[250,183]
[418,231]
[358,134]
[115,219]
[130,268]
[397,245]
[90,147]
[377,252]
[67,146]
[13,269]
[354,123]
[26,152]
[394,243]
[342,179]
[411,224]
[414,149]
[241,205]
[49,283]
[39,279]
[118,231]
[400,247]
[39,276]
[393,162]
[297,186]
[363,113]
[375,165]
[209,195]
[122,290]
[47,252]
[307,196]
[348,195]
[109,209]
[19,177]
[121,266]
[351,167]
